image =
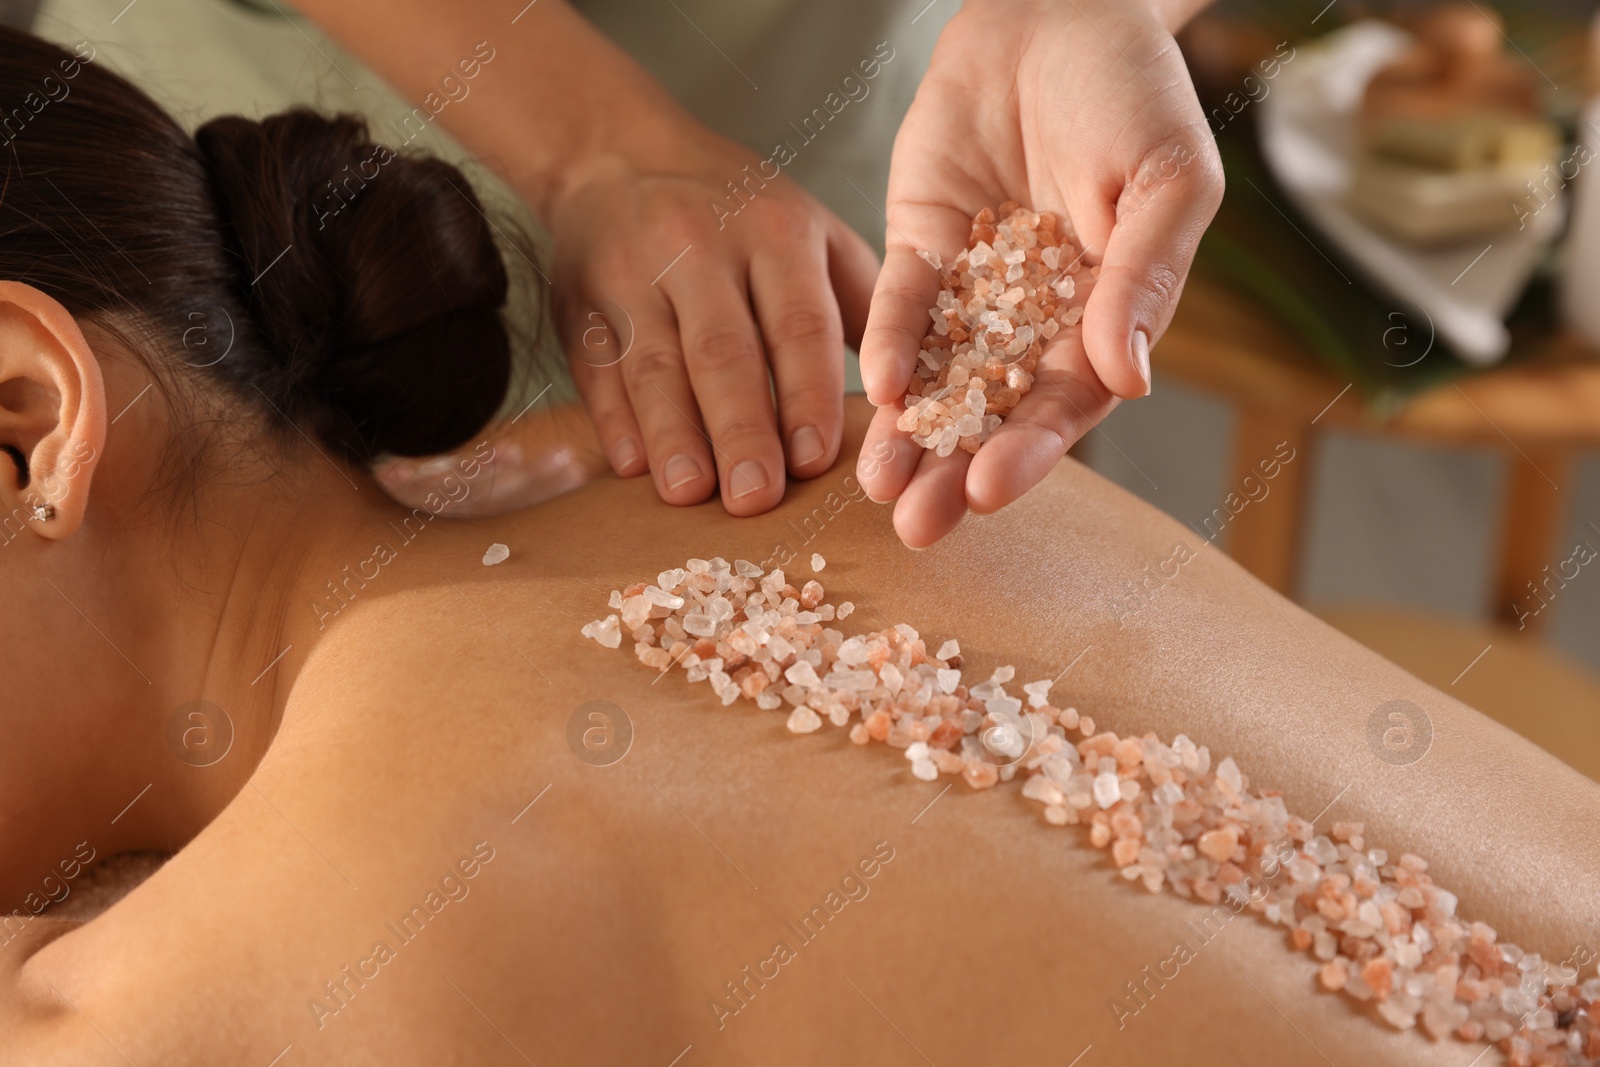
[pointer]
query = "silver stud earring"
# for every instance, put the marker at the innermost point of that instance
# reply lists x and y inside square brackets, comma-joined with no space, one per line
[44,512]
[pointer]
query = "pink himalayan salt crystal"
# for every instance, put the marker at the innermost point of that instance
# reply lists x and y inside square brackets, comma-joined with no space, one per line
[1124,850]
[1001,301]
[817,562]
[804,721]
[1107,789]
[607,631]
[1219,844]
[497,553]
[1384,932]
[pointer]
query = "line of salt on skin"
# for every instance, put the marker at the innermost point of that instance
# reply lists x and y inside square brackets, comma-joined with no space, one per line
[1385,933]
[1000,302]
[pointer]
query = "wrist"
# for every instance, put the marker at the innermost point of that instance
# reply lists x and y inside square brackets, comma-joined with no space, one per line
[650,140]
[647,139]
[628,127]
[537,123]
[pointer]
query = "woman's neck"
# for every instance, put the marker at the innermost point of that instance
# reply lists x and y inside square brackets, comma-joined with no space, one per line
[224,592]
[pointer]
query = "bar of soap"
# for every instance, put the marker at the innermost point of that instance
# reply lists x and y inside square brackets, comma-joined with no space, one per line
[1463,144]
[1425,205]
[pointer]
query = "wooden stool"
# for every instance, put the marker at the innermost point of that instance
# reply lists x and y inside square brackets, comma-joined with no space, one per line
[1539,412]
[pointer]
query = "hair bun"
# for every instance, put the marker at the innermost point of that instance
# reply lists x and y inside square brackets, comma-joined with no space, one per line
[373,280]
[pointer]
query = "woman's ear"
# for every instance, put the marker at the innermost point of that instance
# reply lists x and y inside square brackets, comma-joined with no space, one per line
[52,414]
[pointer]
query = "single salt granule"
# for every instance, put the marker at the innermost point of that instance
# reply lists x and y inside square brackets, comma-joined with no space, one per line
[803,720]
[817,562]
[1107,790]
[607,631]
[497,553]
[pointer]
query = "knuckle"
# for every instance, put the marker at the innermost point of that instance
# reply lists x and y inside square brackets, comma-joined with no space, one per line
[671,229]
[586,377]
[1057,434]
[1213,182]
[724,349]
[1204,171]
[890,336]
[1163,282]
[743,430]
[652,362]
[803,324]
[815,400]
[1208,176]
[609,412]
[909,302]
[608,261]
[788,218]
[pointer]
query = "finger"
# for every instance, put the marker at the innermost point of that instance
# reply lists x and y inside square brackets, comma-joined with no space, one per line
[896,324]
[595,349]
[853,268]
[662,399]
[1146,260]
[935,501]
[1061,408]
[906,289]
[888,457]
[732,386]
[800,324]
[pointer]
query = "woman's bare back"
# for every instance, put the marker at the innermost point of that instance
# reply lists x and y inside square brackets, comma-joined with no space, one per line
[432,865]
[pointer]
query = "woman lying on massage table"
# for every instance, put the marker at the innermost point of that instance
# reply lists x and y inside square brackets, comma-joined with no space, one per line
[415,818]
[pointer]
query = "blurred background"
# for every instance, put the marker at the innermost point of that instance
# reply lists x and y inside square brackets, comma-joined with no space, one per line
[1402,284]
[1382,391]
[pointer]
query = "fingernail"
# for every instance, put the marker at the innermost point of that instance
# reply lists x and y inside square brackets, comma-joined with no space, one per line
[805,446]
[680,470]
[1141,357]
[746,478]
[624,454]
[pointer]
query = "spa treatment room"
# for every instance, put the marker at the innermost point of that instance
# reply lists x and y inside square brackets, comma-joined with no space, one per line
[727,533]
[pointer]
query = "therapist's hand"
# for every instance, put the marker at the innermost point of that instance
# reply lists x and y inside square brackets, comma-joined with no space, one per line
[711,311]
[1082,107]
[680,316]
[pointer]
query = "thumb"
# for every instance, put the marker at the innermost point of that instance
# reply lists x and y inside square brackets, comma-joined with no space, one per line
[1161,215]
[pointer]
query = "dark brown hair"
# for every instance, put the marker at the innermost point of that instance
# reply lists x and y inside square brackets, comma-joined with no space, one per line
[356,292]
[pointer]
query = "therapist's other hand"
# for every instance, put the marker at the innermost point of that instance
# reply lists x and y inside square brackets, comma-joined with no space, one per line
[683,312]
[541,453]
[1084,108]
